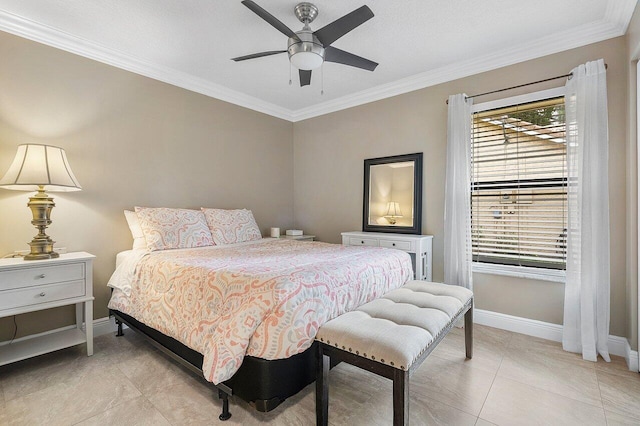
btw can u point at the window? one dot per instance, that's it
(519, 184)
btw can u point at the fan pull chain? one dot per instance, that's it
(289, 73)
(322, 80)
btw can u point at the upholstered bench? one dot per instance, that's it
(391, 337)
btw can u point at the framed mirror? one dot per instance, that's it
(393, 194)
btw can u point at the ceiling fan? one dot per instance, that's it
(309, 49)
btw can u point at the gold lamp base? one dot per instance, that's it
(41, 245)
(392, 220)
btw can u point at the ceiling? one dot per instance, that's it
(417, 43)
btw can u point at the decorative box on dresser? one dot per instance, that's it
(34, 285)
(419, 247)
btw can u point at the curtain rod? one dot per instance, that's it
(568, 76)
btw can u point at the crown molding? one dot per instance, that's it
(620, 12)
(617, 17)
(615, 24)
(53, 37)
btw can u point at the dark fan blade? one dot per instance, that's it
(257, 55)
(333, 31)
(331, 54)
(275, 23)
(305, 78)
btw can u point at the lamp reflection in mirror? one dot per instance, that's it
(393, 212)
(36, 168)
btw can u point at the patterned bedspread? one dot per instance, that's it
(266, 299)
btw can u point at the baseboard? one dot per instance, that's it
(617, 345)
(632, 358)
(103, 326)
(530, 327)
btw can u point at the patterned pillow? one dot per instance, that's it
(165, 228)
(231, 226)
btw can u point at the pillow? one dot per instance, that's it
(231, 226)
(136, 232)
(165, 228)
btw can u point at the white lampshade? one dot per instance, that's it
(393, 209)
(40, 165)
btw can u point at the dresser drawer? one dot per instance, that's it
(363, 242)
(400, 245)
(41, 294)
(27, 277)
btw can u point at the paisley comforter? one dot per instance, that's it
(265, 299)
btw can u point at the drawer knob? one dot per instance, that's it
(361, 242)
(42, 294)
(40, 276)
(394, 244)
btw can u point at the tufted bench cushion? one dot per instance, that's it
(392, 335)
(397, 328)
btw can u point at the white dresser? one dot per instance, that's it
(419, 247)
(34, 285)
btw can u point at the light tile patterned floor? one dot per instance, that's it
(512, 379)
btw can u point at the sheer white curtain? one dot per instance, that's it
(457, 199)
(586, 304)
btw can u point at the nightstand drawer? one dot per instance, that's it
(363, 242)
(400, 245)
(41, 294)
(27, 277)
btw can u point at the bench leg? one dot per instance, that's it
(322, 388)
(468, 332)
(400, 398)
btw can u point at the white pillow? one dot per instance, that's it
(136, 232)
(231, 226)
(166, 228)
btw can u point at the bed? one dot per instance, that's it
(246, 314)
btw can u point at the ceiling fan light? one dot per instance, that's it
(306, 60)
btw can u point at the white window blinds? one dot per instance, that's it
(519, 177)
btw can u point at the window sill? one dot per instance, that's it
(554, 275)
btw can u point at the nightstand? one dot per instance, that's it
(299, 237)
(34, 285)
(419, 247)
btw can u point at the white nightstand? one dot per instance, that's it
(419, 247)
(27, 286)
(299, 237)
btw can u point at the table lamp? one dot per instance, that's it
(36, 168)
(393, 212)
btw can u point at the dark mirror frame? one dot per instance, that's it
(416, 228)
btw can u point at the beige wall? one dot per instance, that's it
(131, 141)
(328, 170)
(136, 141)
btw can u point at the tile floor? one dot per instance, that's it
(513, 379)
